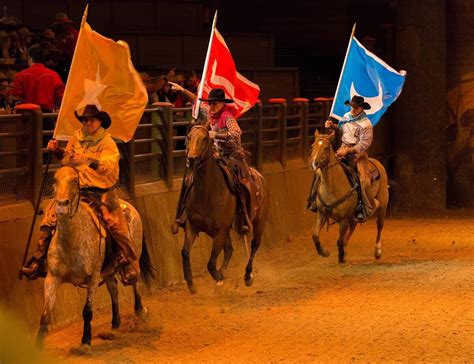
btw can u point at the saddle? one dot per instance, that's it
(242, 181)
(92, 206)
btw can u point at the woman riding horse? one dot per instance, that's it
(226, 133)
(95, 156)
(357, 137)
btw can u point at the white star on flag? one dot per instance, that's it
(92, 90)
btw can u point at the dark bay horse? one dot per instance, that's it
(337, 199)
(77, 252)
(211, 208)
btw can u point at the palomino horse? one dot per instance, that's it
(77, 252)
(337, 199)
(210, 207)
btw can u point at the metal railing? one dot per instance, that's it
(271, 133)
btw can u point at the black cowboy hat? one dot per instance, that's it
(217, 94)
(91, 111)
(357, 101)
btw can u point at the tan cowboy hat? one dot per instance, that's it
(91, 111)
(61, 18)
(48, 34)
(24, 32)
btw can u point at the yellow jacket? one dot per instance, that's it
(101, 168)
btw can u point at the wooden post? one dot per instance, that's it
(168, 111)
(304, 134)
(283, 146)
(259, 160)
(34, 118)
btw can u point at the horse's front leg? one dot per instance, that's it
(189, 237)
(341, 241)
(87, 313)
(51, 285)
(228, 250)
(320, 220)
(217, 246)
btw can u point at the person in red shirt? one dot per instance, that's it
(38, 84)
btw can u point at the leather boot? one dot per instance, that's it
(35, 267)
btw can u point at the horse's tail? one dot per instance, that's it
(148, 272)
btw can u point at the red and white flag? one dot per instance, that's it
(220, 72)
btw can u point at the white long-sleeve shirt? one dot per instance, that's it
(356, 132)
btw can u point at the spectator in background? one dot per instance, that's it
(191, 81)
(66, 38)
(38, 84)
(47, 41)
(6, 104)
(24, 42)
(5, 46)
(14, 49)
(151, 87)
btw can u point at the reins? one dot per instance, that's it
(325, 165)
(202, 160)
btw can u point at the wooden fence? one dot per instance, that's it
(274, 132)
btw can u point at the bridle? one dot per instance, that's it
(325, 162)
(200, 161)
(77, 196)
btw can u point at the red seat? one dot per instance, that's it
(321, 99)
(300, 99)
(277, 100)
(27, 107)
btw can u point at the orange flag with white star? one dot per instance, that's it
(102, 74)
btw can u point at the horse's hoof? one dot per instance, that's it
(322, 252)
(192, 289)
(106, 336)
(249, 282)
(84, 349)
(378, 254)
(222, 272)
(219, 283)
(142, 314)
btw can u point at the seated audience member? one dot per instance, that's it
(5, 46)
(24, 42)
(66, 38)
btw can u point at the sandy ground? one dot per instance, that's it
(415, 304)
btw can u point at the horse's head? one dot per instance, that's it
(198, 145)
(321, 150)
(66, 186)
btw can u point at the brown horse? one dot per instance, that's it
(77, 252)
(337, 199)
(211, 207)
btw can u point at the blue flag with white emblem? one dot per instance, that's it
(366, 75)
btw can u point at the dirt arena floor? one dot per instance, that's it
(415, 304)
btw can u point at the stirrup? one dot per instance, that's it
(32, 270)
(128, 275)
